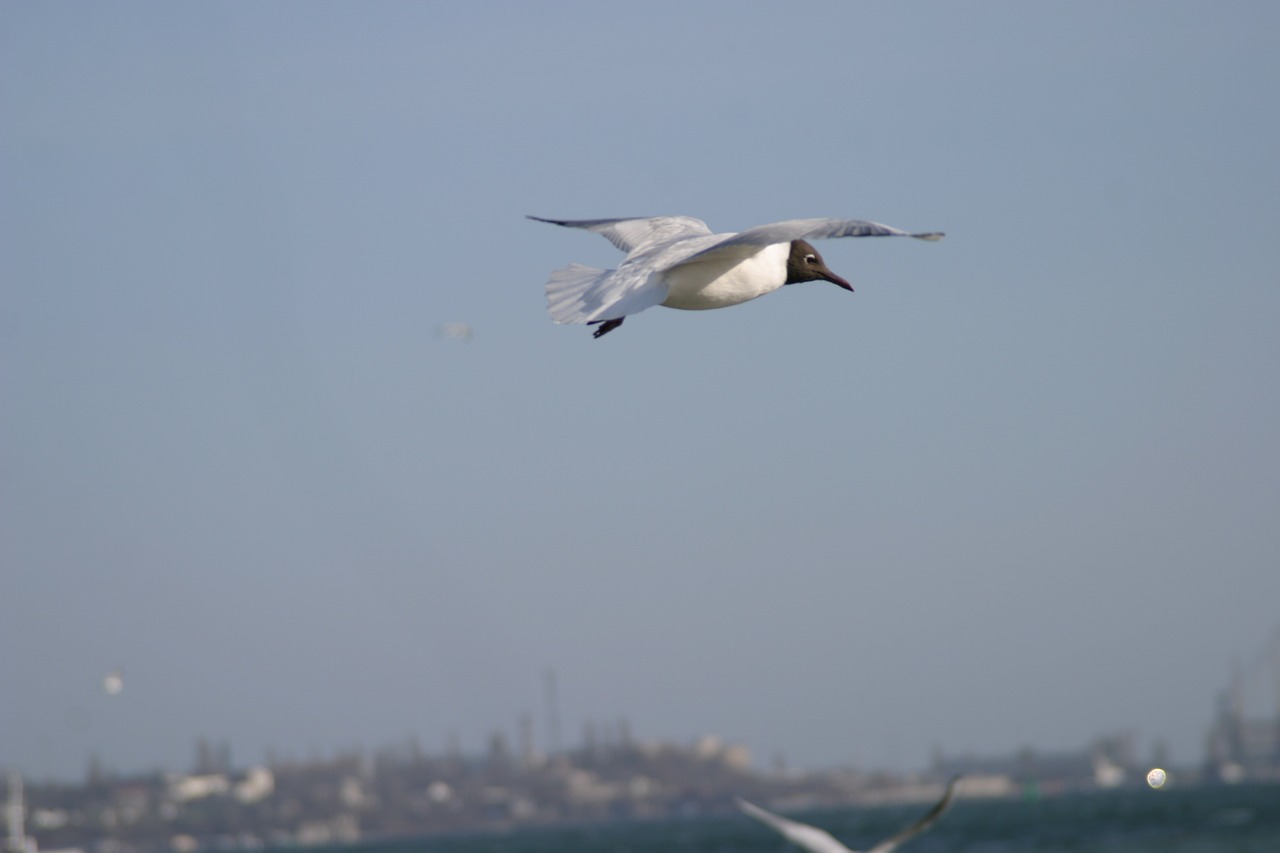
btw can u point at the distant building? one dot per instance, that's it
(16, 840)
(257, 785)
(183, 789)
(1108, 763)
(1240, 749)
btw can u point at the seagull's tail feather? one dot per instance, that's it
(569, 298)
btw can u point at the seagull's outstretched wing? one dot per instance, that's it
(891, 843)
(630, 234)
(800, 834)
(752, 240)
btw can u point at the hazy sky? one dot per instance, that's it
(1022, 487)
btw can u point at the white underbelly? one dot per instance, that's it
(715, 285)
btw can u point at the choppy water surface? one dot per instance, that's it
(1241, 819)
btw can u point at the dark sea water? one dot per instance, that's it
(1239, 819)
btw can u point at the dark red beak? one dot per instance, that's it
(828, 275)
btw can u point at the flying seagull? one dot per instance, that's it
(676, 261)
(820, 841)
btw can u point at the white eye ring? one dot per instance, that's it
(810, 259)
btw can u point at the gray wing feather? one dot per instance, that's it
(807, 229)
(891, 843)
(630, 234)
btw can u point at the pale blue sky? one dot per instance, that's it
(1022, 487)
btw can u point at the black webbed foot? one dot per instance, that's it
(606, 326)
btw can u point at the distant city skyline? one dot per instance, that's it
(1251, 689)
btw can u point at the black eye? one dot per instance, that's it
(810, 259)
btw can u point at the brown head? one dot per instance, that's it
(805, 264)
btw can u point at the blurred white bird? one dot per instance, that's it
(113, 682)
(676, 261)
(820, 841)
(455, 332)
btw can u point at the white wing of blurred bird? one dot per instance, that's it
(820, 841)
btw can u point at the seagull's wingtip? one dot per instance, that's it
(932, 236)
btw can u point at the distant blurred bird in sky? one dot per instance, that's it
(113, 682)
(455, 332)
